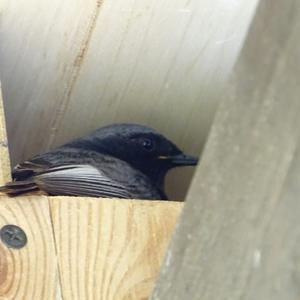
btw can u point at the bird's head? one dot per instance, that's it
(140, 146)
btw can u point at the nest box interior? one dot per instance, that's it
(68, 68)
(75, 67)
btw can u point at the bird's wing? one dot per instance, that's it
(68, 179)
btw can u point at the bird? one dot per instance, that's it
(116, 161)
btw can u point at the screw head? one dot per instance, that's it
(13, 236)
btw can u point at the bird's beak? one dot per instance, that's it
(181, 160)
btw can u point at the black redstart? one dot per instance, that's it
(121, 160)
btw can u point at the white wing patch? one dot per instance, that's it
(79, 180)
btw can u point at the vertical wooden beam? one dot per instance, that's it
(238, 237)
(276, 262)
(4, 154)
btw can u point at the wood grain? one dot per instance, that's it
(4, 153)
(159, 63)
(30, 272)
(238, 236)
(110, 249)
(277, 259)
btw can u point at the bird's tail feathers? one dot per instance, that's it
(18, 187)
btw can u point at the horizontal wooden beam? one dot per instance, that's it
(84, 248)
(110, 249)
(30, 272)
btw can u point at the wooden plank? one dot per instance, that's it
(238, 236)
(110, 249)
(276, 259)
(30, 272)
(43, 46)
(128, 60)
(4, 153)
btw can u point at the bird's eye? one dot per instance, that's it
(147, 144)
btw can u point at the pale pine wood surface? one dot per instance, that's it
(84, 248)
(30, 272)
(110, 249)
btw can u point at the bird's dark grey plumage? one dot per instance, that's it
(121, 160)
